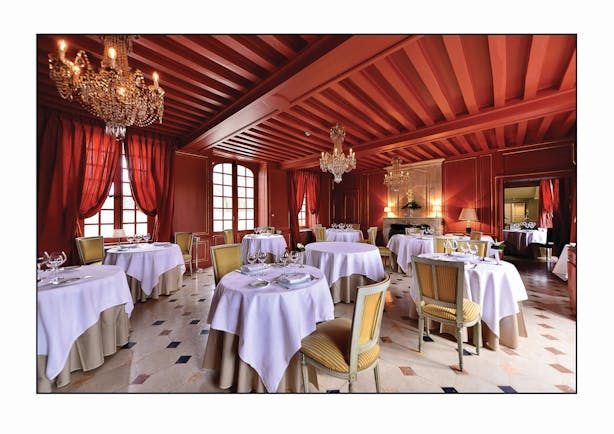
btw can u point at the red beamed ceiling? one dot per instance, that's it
(419, 97)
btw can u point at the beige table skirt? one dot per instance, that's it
(89, 350)
(510, 329)
(221, 354)
(168, 283)
(344, 289)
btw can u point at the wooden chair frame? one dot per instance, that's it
(80, 251)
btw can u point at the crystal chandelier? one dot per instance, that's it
(396, 178)
(337, 163)
(114, 94)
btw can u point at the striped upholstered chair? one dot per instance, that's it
(476, 235)
(225, 258)
(440, 298)
(439, 243)
(229, 236)
(184, 241)
(91, 250)
(343, 348)
(320, 233)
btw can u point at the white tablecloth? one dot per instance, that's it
(271, 321)
(269, 243)
(347, 235)
(66, 311)
(496, 288)
(490, 252)
(521, 239)
(560, 268)
(146, 263)
(342, 259)
(406, 246)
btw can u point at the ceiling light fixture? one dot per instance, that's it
(337, 163)
(397, 178)
(114, 94)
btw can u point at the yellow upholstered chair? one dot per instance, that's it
(184, 241)
(439, 243)
(416, 231)
(440, 298)
(225, 258)
(476, 235)
(320, 233)
(343, 348)
(318, 225)
(91, 250)
(355, 226)
(482, 247)
(229, 236)
(383, 251)
(270, 229)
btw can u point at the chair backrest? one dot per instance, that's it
(355, 226)
(91, 249)
(320, 234)
(318, 225)
(482, 246)
(439, 243)
(229, 236)
(225, 258)
(270, 229)
(476, 235)
(409, 231)
(372, 234)
(367, 319)
(184, 241)
(440, 282)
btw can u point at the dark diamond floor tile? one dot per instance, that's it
(172, 300)
(561, 368)
(204, 332)
(386, 339)
(183, 359)
(552, 338)
(140, 379)
(333, 391)
(165, 333)
(406, 370)
(508, 351)
(202, 299)
(507, 389)
(158, 322)
(184, 285)
(398, 296)
(426, 338)
(173, 344)
(195, 321)
(565, 388)
(449, 390)
(187, 314)
(129, 345)
(554, 350)
(546, 326)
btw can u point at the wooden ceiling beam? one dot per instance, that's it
(279, 45)
(569, 78)
(449, 147)
(303, 121)
(543, 128)
(330, 109)
(537, 55)
(454, 47)
(464, 143)
(498, 66)
(260, 142)
(521, 132)
(500, 137)
(281, 130)
(247, 149)
(293, 146)
(349, 111)
(547, 104)
(481, 139)
(435, 150)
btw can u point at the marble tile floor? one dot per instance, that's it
(168, 338)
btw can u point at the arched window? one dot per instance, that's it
(229, 201)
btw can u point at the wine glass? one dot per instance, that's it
(261, 256)
(294, 256)
(473, 249)
(284, 258)
(453, 245)
(40, 261)
(130, 239)
(55, 259)
(464, 247)
(146, 237)
(251, 258)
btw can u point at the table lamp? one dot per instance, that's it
(469, 215)
(119, 233)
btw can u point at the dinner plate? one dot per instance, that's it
(259, 283)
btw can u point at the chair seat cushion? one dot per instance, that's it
(95, 263)
(329, 346)
(187, 258)
(471, 311)
(384, 251)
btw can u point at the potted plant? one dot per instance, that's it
(411, 206)
(500, 247)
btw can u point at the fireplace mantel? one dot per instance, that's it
(434, 222)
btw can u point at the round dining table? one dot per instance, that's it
(81, 317)
(499, 290)
(404, 247)
(346, 265)
(152, 268)
(347, 235)
(521, 239)
(257, 323)
(272, 244)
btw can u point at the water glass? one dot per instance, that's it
(146, 237)
(251, 258)
(261, 256)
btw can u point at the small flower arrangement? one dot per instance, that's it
(498, 245)
(411, 205)
(300, 247)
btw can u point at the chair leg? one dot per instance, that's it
(191, 268)
(350, 386)
(428, 326)
(304, 370)
(479, 337)
(376, 373)
(420, 332)
(459, 340)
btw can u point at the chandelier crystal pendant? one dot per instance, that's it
(115, 94)
(337, 163)
(397, 178)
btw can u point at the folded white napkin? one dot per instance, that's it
(252, 267)
(165, 243)
(294, 278)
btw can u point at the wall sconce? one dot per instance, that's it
(388, 211)
(437, 210)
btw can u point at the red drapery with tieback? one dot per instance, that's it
(313, 192)
(546, 206)
(102, 159)
(150, 169)
(298, 187)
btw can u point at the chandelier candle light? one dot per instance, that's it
(397, 178)
(114, 94)
(337, 163)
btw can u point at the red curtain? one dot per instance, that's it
(298, 187)
(150, 169)
(546, 207)
(61, 158)
(313, 192)
(102, 158)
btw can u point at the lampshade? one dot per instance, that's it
(118, 233)
(468, 214)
